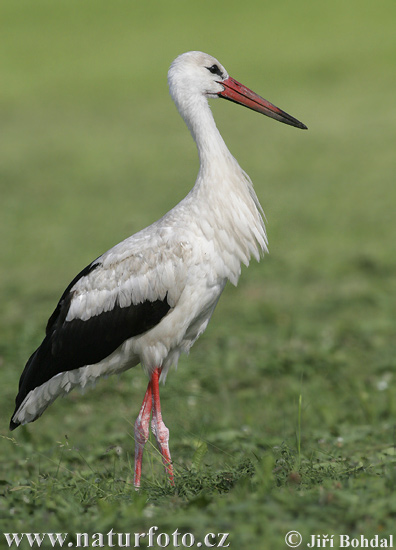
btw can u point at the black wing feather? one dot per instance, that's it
(69, 345)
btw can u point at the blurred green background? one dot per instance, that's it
(92, 149)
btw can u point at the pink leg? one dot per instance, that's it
(158, 427)
(142, 432)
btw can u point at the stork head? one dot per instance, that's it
(194, 75)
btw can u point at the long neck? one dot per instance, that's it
(225, 189)
(212, 149)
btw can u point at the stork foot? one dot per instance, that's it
(160, 431)
(151, 403)
(141, 433)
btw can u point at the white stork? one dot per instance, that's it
(149, 298)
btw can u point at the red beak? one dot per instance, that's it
(238, 93)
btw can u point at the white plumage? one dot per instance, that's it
(163, 282)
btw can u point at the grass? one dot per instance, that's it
(282, 418)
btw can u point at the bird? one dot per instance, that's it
(147, 300)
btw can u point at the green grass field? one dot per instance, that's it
(283, 417)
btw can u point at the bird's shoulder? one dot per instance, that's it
(150, 266)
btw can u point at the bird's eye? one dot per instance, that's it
(214, 69)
